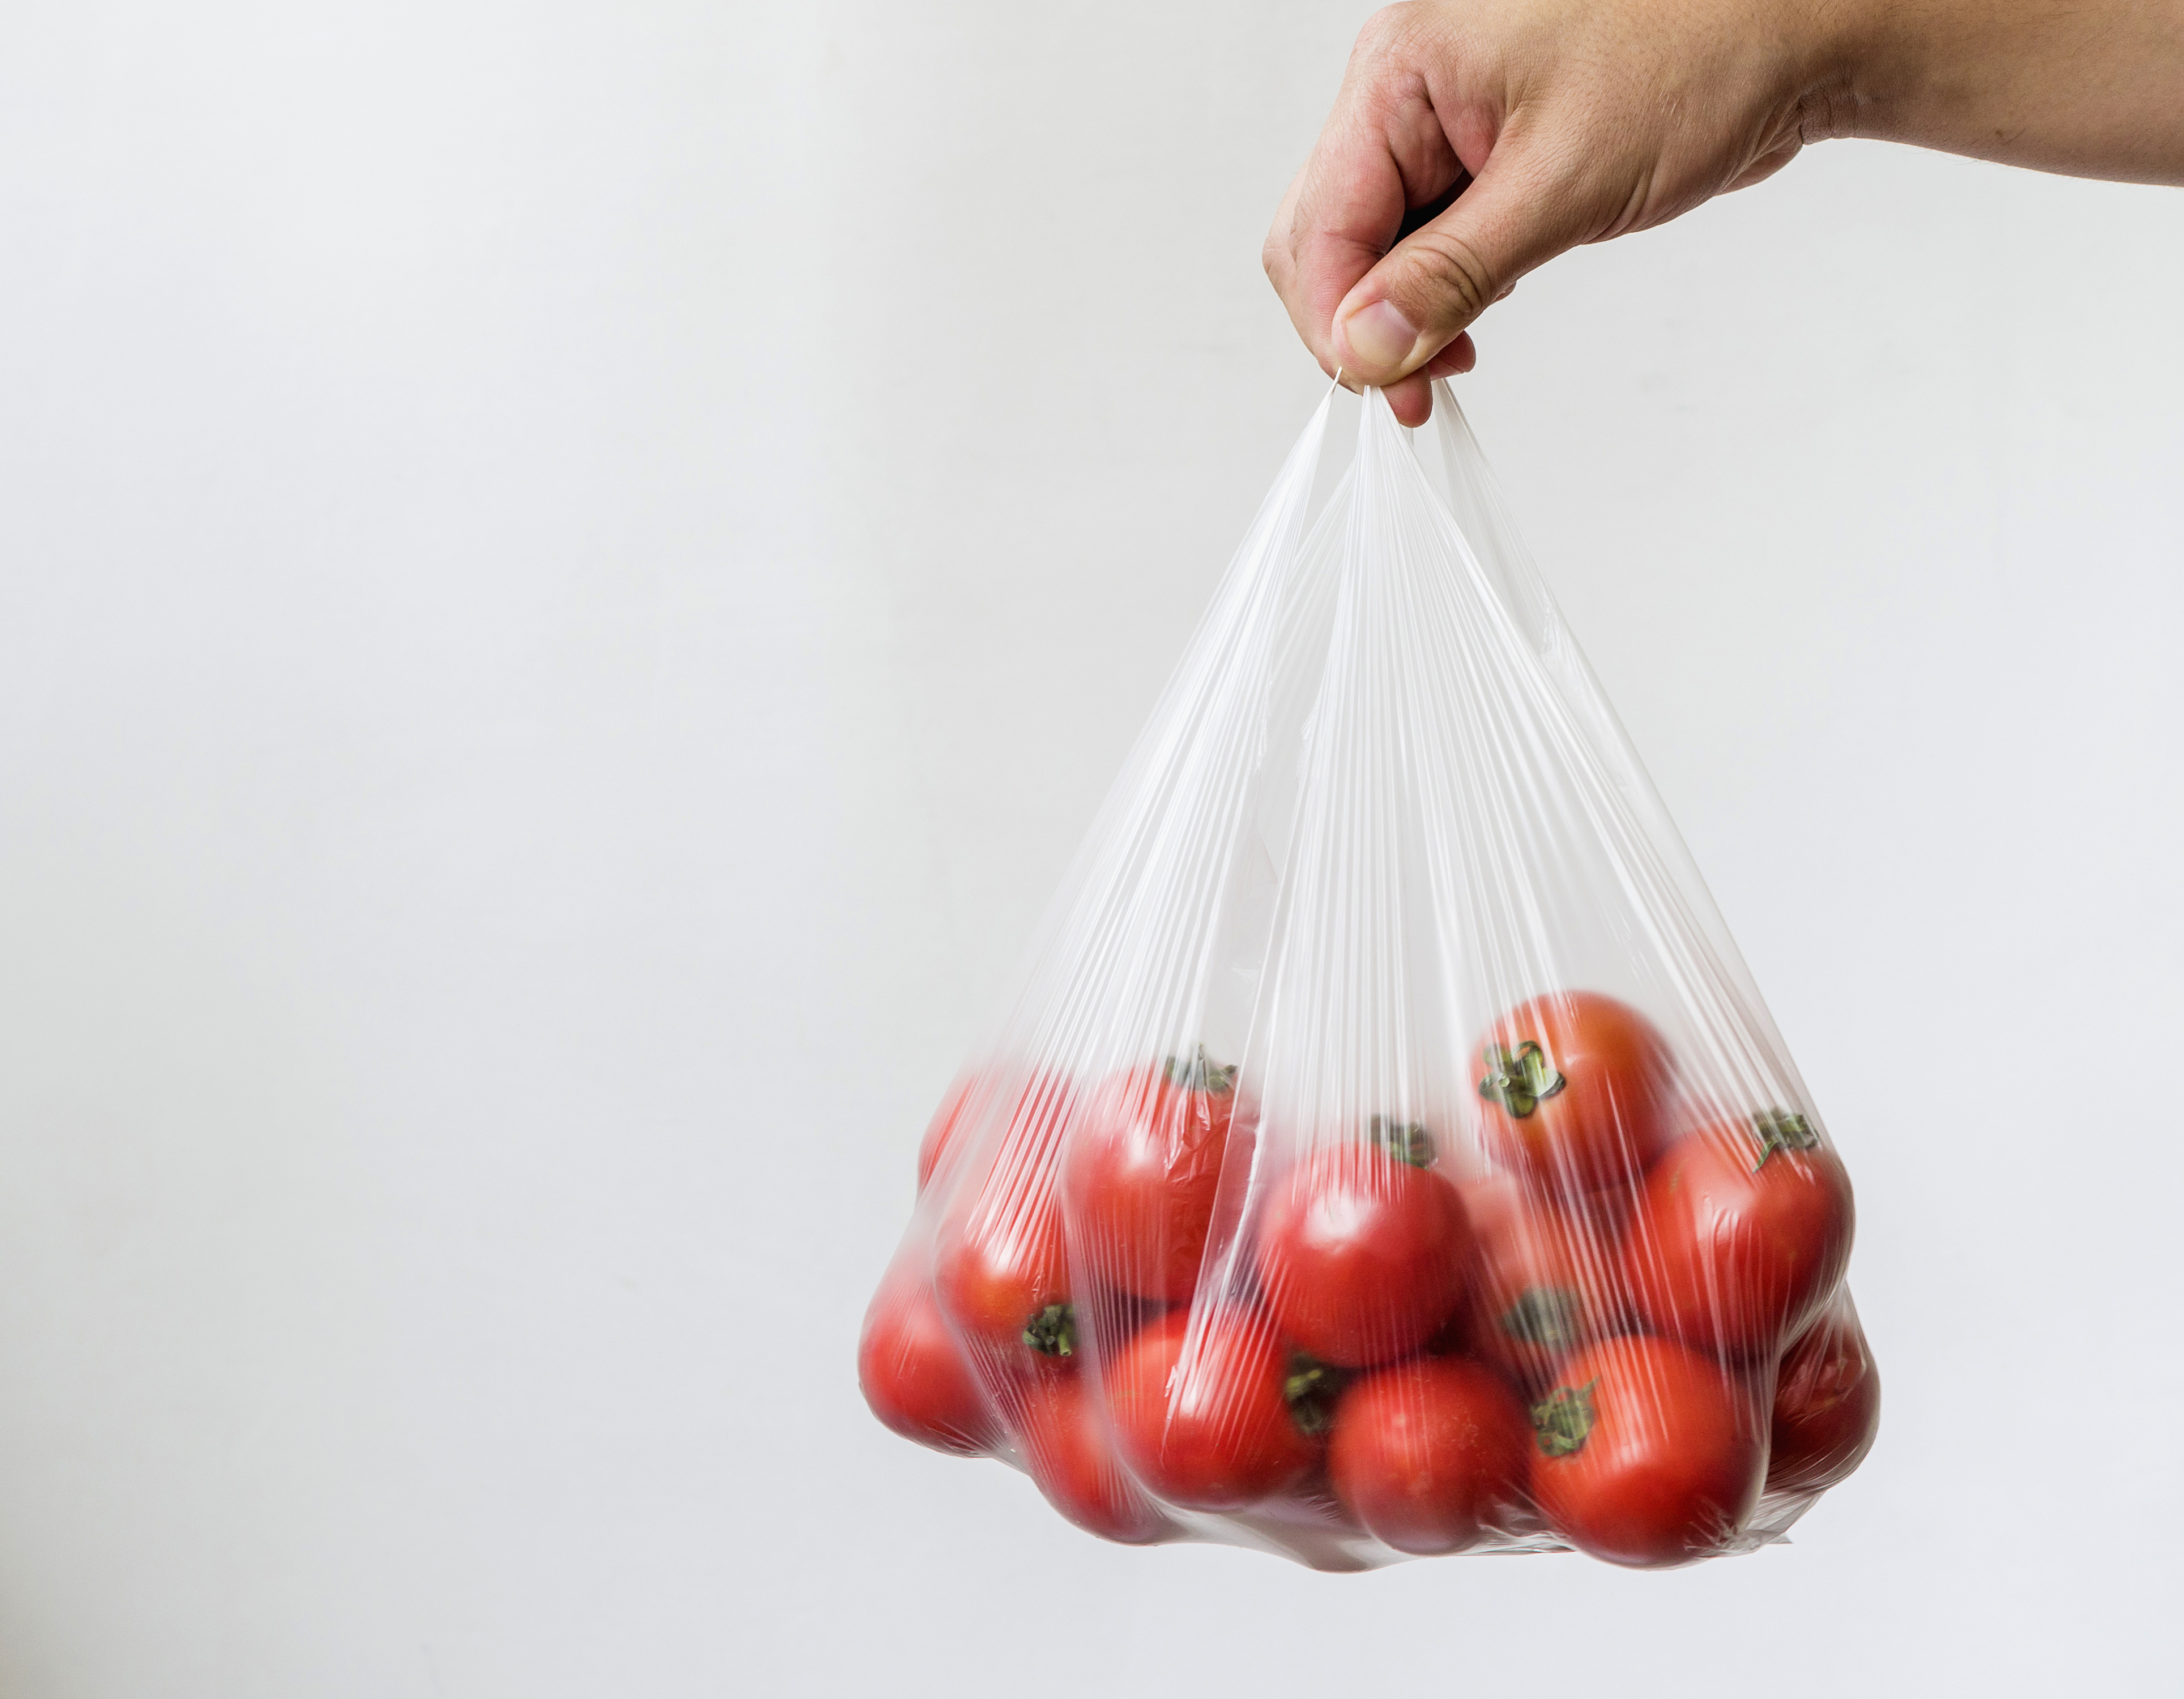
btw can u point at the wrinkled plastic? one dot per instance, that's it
(1387, 1151)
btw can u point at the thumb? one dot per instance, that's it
(1431, 285)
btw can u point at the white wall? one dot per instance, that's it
(569, 579)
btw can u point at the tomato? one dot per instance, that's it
(1646, 1453)
(1574, 1086)
(1827, 1404)
(1071, 1457)
(1043, 1095)
(1206, 1423)
(941, 1130)
(1549, 1281)
(1425, 1454)
(1143, 1166)
(914, 1374)
(1002, 1266)
(1363, 1252)
(1743, 1231)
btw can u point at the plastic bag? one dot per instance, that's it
(1387, 1151)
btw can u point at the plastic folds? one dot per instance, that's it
(1386, 1152)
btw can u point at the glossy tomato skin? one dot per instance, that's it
(1573, 1088)
(1428, 1455)
(1208, 1428)
(1071, 1457)
(1550, 1280)
(1827, 1405)
(1141, 1173)
(914, 1374)
(1363, 1257)
(1646, 1453)
(1002, 1262)
(1740, 1236)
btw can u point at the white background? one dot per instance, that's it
(569, 578)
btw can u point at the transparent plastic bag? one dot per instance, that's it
(1387, 1151)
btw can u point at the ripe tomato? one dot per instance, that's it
(1743, 1231)
(1827, 1404)
(1002, 1268)
(1072, 1458)
(1144, 1164)
(1363, 1252)
(913, 1373)
(1574, 1085)
(1042, 1095)
(1210, 1427)
(939, 1131)
(1646, 1453)
(1425, 1454)
(1549, 1280)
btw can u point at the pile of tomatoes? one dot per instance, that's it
(1622, 1331)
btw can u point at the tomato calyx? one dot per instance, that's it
(1310, 1389)
(1550, 1316)
(1563, 1419)
(1405, 1141)
(1199, 1072)
(1053, 1331)
(1518, 1079)
(1782, 1129)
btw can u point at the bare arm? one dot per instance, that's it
(1570, 122)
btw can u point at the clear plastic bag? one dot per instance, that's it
(1387, 1151)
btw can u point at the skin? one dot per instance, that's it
(1572, 121)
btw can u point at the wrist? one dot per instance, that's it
(1857, 61)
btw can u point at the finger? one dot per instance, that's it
(1459, 357)
(1411, 398)
(1381, 154)
(1519, 213)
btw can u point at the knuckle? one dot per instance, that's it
(1385, 30)
(1448, 269)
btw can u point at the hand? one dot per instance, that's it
(1562, 122)
(1569, 121)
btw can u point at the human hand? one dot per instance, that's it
(1562, 122)
(1569, 121)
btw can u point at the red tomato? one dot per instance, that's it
(1573, 1087)
(1744, 1230)
(1144, 1164)
(1002, 1268)
(1549, 1281)
(1827, 1405)
(914, 1374)
(1646, 1453)
(1072, 1458)
(1209, 1427)
(1043, 1096)
(942, 1128)
(1363, 1253)
(1425, 1454)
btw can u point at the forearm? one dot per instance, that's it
(2093, 88)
